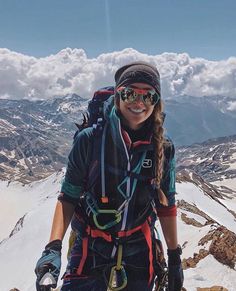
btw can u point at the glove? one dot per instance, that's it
(175, 270)
(50, 262)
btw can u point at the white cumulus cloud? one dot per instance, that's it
(71, 71)
(232, 106)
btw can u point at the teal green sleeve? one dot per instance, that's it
(168, 178)
(172, 176)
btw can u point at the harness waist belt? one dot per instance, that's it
(96, 233)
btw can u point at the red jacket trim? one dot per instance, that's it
(167, 211)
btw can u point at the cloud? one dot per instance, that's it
(71, 71)
(232, 106)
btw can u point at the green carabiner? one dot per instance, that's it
(118, 268)
(117, 219)
(112, 278)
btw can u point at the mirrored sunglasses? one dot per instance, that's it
(130, 95)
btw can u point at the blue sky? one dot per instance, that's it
(201, 28)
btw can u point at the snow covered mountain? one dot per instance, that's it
(214, 160)
(36, 136)
(190, 119)
(206, 218)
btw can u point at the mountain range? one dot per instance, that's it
(36, 136)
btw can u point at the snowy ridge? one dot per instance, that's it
(32, 206)
(214, 160)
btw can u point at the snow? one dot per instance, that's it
(195, 196)
(231, 204)
(6, 124)
(20, 253)
(16, 200)
(37, 200)
(200, 160)
(212, 148)
(189, 236)
(232, 165)
(197, 217)
(208, 271)
(22, 163)
(10, 154)
(230, 183)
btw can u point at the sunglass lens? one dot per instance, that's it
(129, 95)
(150, 98)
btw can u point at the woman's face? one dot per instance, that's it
(135, 113)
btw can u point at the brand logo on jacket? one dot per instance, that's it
(147, 163)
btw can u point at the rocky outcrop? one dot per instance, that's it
(191, 262)
(222, 248)
(18, 226)
(213, 288)
(193, 209)
(190, 221)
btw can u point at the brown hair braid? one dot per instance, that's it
(159, 141)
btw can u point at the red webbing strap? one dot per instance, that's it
(99, 233)
(147, 234)
(124, 233)
(94, 233)
(84, 255)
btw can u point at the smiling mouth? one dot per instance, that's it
(136, 111)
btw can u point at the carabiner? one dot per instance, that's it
(117, 219)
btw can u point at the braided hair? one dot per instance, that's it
(159, 143)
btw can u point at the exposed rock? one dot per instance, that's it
(190, 221)
(213, 288)
(223, 245)
(192, 262)
(193, 209)
(18, 226)
(222, 248)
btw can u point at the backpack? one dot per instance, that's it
(94, 114)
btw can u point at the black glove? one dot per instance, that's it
(50, 262)
(175, 270)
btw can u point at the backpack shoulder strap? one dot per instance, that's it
(96, 164)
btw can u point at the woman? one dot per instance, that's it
(118, 179)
